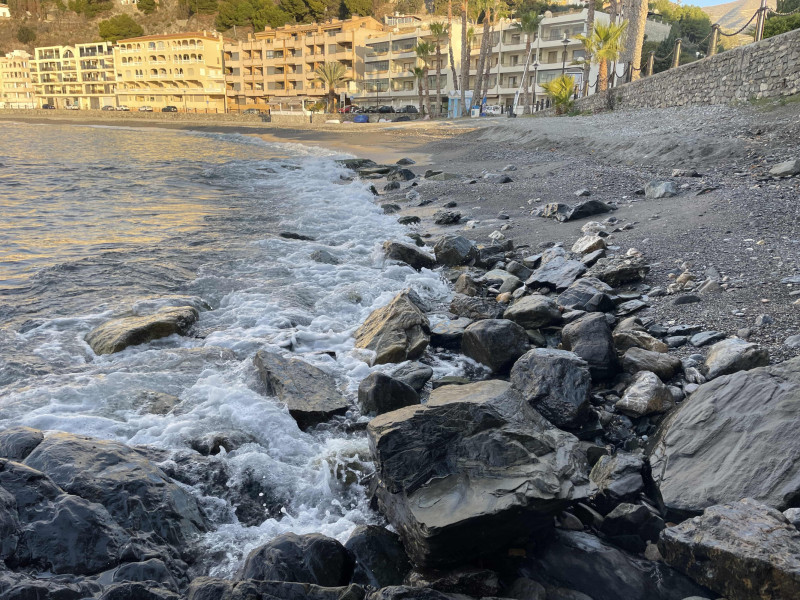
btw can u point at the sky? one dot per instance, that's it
(704, 2)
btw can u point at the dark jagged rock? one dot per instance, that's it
(356, 163)
(380, 559)
(645, 396)
(556, 383)
(323, 256)
(9, 525)
(411, 255)
(618, 271)
(454, 250)
(478, 583)
(732, 355)
(590, 338)
(16, 443)
(532, 312)
(722, 443)
(311, 395)
(379, 393)
(414, 374)
(147, 570)
(638, 359)
(631, 526)
(401, 175)
(448, 334)
(496, 343)
(588, 294)
(17, 586)
(558, 273)
(475, 308)
(118, 334)
(618, 477)
(488, 256)
(396, 332)
(409, 220)
(291, 235)
(446, 217)
(743, 550)
(588, 209)
(471, 470)
(137, 494)
(466, 284)
(404, 592)
(310, 558)
(137, 591)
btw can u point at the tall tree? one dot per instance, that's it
(528, 25)
(587, 65)
(438, 31)
(423, 51)
(486, 7)
(332, 75)
(604, 45)
(637, 17)
(464, 58)
(419, 74)
(450, 43)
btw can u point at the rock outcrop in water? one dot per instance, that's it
(118, 334)
(399, 331)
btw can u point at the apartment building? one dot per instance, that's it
(16, 89)
(276, 66)
(79, 76)
(184, 70)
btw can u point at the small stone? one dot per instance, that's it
(583, 192)
(660, 189)
(705, 338)
(786, 169)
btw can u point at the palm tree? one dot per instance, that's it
(587, 65)
(450, 43)
(333, 75)
(529, 25)
(560, 91)
(423, 51)
(486, 7)
(498, 11)
(638, 20)
(439, 30)
(464, 58)
(419, 73)
(604, 45)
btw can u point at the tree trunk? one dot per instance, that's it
(526, 96)
(421, 91)
(331, 99)
(464, 59)
(638, 22)
(450, 43)
(488, 68)
(476, 93)
(602, 76)
(438, 78)
(427, 92)
(589, 32)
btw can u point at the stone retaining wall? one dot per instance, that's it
(767, 69)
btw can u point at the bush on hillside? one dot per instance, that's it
(118, 28)
(25, 35)
(90, 8)
(148, 7)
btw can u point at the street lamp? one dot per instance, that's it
(566, 41)
(535, 78)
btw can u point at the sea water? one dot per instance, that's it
(101, 222)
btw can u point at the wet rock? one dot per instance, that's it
(405, 592)
(581, 561)
(523, 588)
(137, 494)
(618, 271)
(380, 559)
(786, 169)
(475, 308)
(705, 338)
(660, 189)
(446, 217)
(476, 582)
(618, 477)
(488, 256)
(638, 359)
(496, 343)
(291, 235)
(588, 243)
(378, 393)
(731, 355)
(399, 331)
(631, 526)
(411, 255)
(466, 285)
(16, 586)
(137, 591)
(555, 210)
(532, 312)
(401, 175)
(590, 338)
(558, 273)
(147, 570)
(556, 383)
(311, 395)
(720, 444)
(588, 209)
(646, 396)
(414, 374)
(310, 558)
(588, 294)
(743, 550)
(634, 338)
(448, 334)
(390, 209)
(451, 473)
(210, 588)
(16, 443)
(118, 334)
(409, 220)
(454, 250)
(391, 186)
(405, 161)
(9, 525)
(324, 257)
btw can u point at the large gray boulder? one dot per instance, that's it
(588, 294)
(472, 470)
(743, 550)
(454, 250)
(411, 255)
(532, 312)
(590, 338)
(475, 308)
(380, 559)
(118, 334)
(786, 169)
(311, 395)
(211, 588)
(617, 271)
(379, 393)
(735, 437)
(137, 494)
(496, 343)
(556, 383)
(645, 396)
(583, 562)
(396, 332)
(17, 442)
(734, 354)
(558, 273)
(638, 359)
(660, 189)
(618, 476)
(310, 558)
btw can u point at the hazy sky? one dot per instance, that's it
(705, 2)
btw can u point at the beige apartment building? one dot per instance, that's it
(16, 89)
(184, 70)
(276, 66)
(80, 76)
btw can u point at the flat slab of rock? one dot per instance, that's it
(743, 550)
(618, 271)
(558, 273)
(660, 189)
(311, 395)
(638, 359)
(588, 294)
(115, 336)
(735, 437)
(397, 332)
(534, 311)
(786, 169)
(466, 473)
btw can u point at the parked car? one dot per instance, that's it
(145, 109)
(350, 108)
(72, 107)
(386, 109)
(123, 108)
(371, 109)
(108, 107)
(409, 109)
(251, 111)
(170, 109)
(48, 106)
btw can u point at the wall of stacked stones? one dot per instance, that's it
(767, 69)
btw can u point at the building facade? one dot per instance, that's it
(80, 76)
(276, 66)
(184, 70)
(16, 88)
